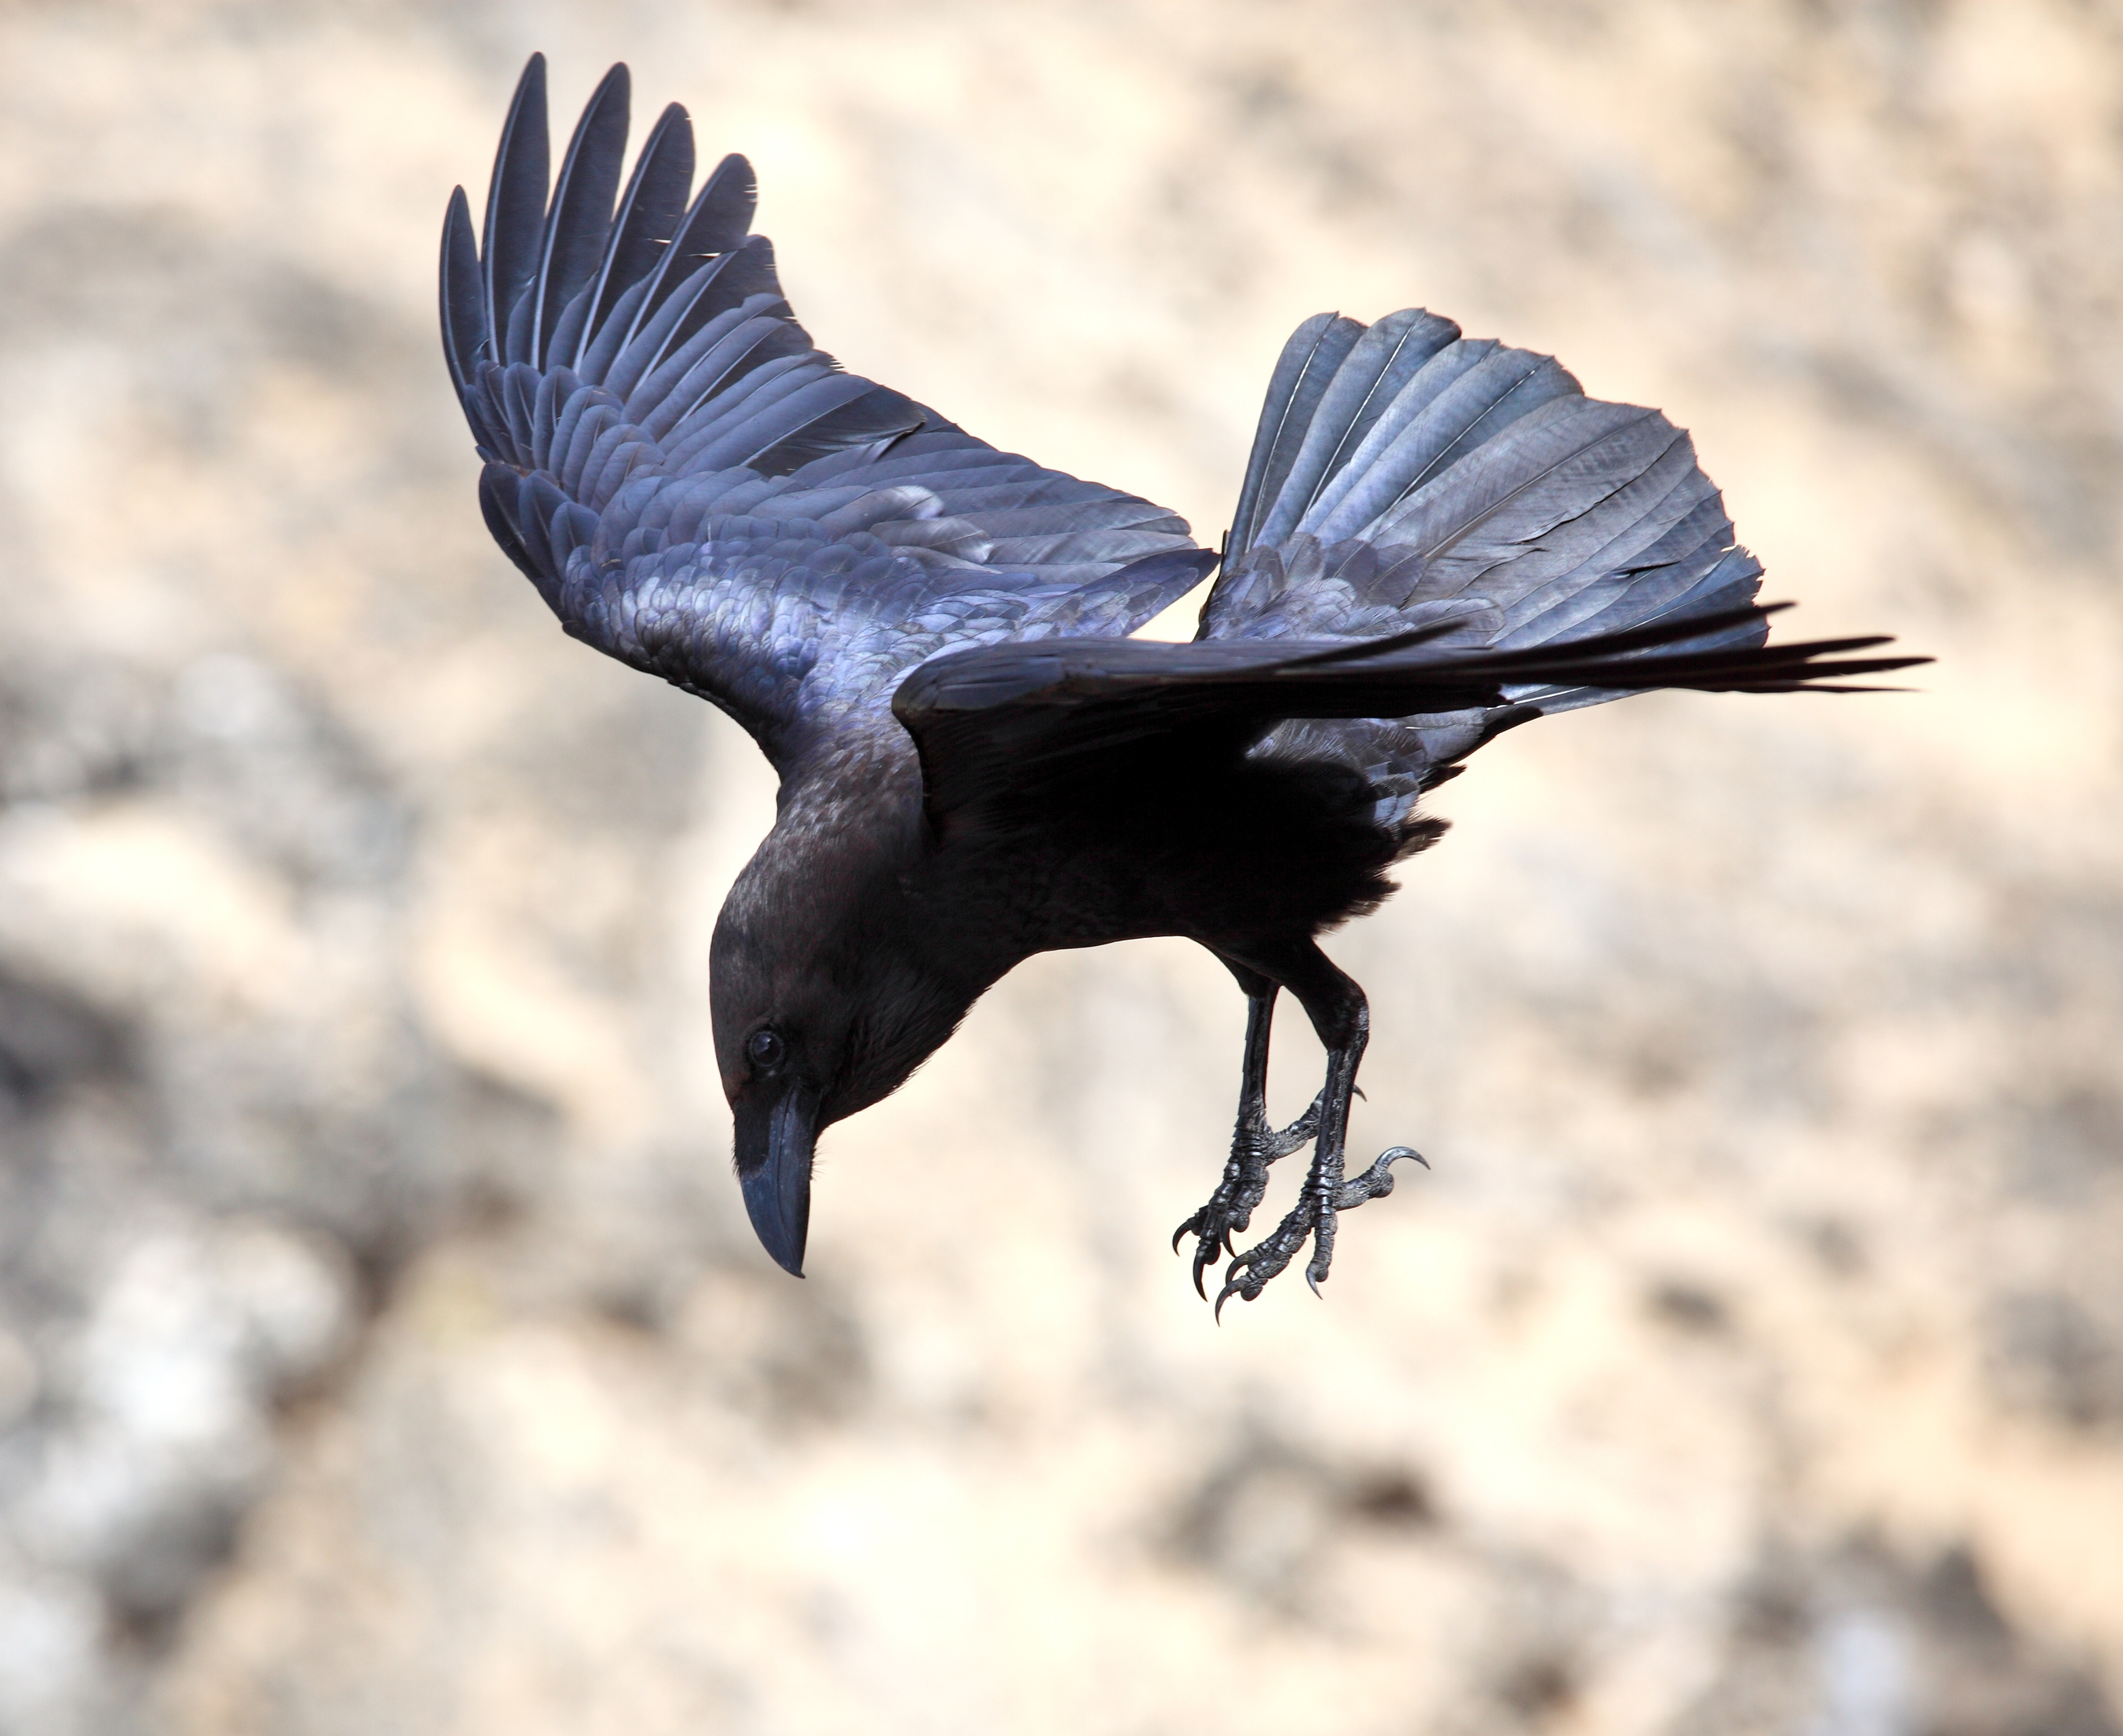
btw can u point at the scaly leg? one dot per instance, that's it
(1254, 1144)
(1342, 1016)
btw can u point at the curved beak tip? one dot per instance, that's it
(782, 1223)
(774, 1153)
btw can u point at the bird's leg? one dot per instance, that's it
(1342, 1016)
(1254, 1144)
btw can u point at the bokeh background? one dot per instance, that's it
(384, 1347)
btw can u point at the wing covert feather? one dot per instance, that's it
(1012, 729)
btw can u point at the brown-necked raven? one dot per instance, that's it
(1438, 538)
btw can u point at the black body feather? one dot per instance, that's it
(1436, 538)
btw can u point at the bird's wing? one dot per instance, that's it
(696, 489)
(1011, 731)
(1401, 467)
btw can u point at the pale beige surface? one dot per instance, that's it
(384, 1347)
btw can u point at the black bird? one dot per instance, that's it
(1437, 538)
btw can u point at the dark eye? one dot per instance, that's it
(765, 1049)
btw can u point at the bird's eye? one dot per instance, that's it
(765, 1049)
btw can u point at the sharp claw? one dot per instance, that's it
(1239, 1288)
(1217, 1225)
(1377, 1181)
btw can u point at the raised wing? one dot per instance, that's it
(698, 491)
(1008, 733)
(1401, 467)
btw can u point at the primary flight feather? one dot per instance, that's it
(1436, 538)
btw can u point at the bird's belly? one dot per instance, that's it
(1271, 849)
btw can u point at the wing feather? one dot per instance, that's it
(1003, 729)
(647, 217)
(462, 293)
(516, 204)
(579, 220)
(716, 224)
(716, 291)
(694, 487)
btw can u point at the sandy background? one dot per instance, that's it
(384, 1347)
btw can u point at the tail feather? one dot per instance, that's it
(1379, 467)
(1471, 470)
(1381, 363)
(1308, 363)
(1406, 477)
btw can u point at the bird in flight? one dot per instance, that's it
(1436, 538)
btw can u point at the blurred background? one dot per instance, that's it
(383, 1346)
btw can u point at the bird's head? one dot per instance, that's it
(826, 993)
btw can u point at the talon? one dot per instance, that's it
(1218, 1225)
(1377, 1181)
(1255, 1146)
(1241, 1287)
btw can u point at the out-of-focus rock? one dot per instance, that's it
(381, 1345)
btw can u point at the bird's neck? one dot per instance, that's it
(850, 846)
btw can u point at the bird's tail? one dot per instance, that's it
(1402, 469)
(1404, 476)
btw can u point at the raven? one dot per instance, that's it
(1437, 538)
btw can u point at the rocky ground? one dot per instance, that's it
(382, 1344)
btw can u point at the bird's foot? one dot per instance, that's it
(1326, 1195)
(1254, 1145)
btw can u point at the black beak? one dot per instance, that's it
(775, 1139)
